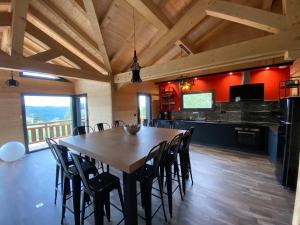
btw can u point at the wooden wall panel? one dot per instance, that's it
(125, 100)
(99, 100)
(11, 125)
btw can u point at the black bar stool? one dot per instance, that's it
(99, 188)
(145, 122)
(100, 126)
(146, 175)
(50, 143)
(80, 130)
(169, 160)
(118, 123)
(184, 156)
(70, 173)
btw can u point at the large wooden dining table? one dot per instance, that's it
(124, 152)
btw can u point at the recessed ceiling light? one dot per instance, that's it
(282, 67)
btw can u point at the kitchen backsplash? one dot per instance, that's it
(262, 111)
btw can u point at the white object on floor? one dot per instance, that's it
(12, 151)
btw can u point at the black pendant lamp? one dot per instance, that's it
(135, 67)
(12, 82)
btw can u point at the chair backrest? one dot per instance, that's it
(79, 169)
(82, 130)
(186, 139)
(50, 143)
(118, 123)
(153, 123)
(62, 155)
(154, 155)
(145, 122)
(100, 126)
(192, 130)
(173, 148)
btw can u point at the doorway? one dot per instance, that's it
(144, 108)
(52, 116)
(45, 116)
(80, 109)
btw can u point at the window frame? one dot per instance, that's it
(198, 92)
(61, 79)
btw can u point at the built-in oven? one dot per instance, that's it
(250, 137)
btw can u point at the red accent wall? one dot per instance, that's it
(271, 79)
(220, 84)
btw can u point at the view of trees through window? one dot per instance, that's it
(198, 100)
(41, 109)
(142, 104)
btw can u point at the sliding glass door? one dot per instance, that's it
(46, 116)
(80, 110)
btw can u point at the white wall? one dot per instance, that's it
(99, 100)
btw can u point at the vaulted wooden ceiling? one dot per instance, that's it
(93, 38)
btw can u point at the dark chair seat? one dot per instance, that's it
(103, 181)
(86, 166)
(145, 172)
(145, 177)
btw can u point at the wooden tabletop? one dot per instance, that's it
(119, 149)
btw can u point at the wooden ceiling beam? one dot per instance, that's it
(188, 21)
(93, 18)
(46, 56)
(5, 19)
(268, 47)
(267, 4)
(19, 11)
(291, 9)
(73, 27)
(20, 63)
(43, 23)
(249, 16)
(6, 41)
(35, 32)
(154, 15)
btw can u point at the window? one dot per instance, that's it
(39, 75)
(201, 100)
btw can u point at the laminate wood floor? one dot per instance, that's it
(230, 188)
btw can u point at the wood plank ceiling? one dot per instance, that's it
(97, 36)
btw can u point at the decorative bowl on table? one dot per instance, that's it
(132, 129)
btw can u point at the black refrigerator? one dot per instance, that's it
(288, 147)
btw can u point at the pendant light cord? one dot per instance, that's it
(133, 29)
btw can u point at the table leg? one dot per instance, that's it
(76, 199)
(130, 200)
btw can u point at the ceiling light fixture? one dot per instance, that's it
(12, 82)
(135, 67)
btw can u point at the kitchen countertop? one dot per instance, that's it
(259, 123)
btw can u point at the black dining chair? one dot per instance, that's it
(118, 123)
(69, 173)
(101, 126)
(153, 123)
(50, 143)
(184, 156)
(170, 160)
(145, 122)
(80, 130)
(146, 176)
(98, 188)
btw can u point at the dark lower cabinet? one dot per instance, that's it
(242, 137)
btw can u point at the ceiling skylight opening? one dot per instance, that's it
(39, 75)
